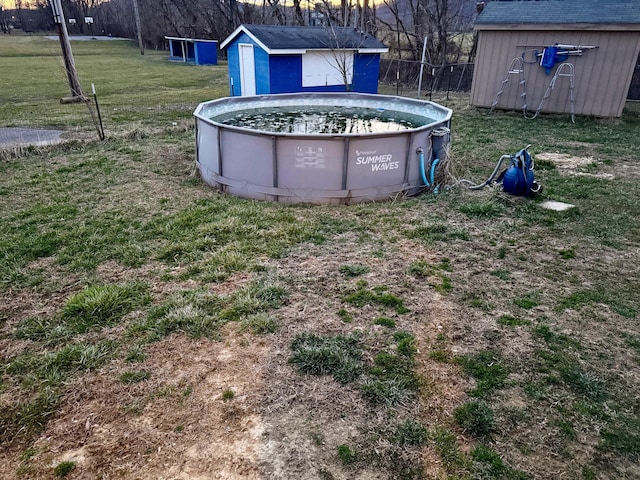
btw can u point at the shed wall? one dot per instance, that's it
(206, 53)
(601, 80)
(286, 73)
(261, 66)
(366, 70)
(261, 63)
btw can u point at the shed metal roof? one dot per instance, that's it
(279, 39)
(612, 12)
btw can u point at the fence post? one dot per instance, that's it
(424, 51)
(449, 81)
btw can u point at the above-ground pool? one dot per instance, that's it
(318, 147)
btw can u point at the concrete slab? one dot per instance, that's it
(22, 137)
(556, 206)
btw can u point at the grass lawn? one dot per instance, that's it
(151, 327)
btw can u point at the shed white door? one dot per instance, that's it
(247, 70)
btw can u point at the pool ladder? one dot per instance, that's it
(516, 68)
(563, 70)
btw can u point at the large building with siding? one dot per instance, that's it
(266, 59)
(522, 30)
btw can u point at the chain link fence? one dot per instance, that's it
(411, 75)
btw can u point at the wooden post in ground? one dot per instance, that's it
(70, 66)
(136, 13)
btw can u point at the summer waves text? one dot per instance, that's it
(377, 162)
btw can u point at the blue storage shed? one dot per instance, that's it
(193, 50)
(266, 59)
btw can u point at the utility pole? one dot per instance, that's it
(74, 83)
(136, 13)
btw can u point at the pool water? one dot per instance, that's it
(322, 120)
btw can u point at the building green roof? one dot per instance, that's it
(620, 12)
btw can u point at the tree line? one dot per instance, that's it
(401, 24)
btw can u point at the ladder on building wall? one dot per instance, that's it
(563, 70)
(516, 68)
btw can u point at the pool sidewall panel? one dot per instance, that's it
(247, 160)
(314, 164)
(208, 155)
(376, 161)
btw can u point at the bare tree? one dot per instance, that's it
(4, 21)
(341, 58)
(404, 37)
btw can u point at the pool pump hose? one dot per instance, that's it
(432, 170)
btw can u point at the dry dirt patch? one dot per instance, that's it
(570, 165)
(175, 425)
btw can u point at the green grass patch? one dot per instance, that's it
(475, 417)
(486, 209)
(364, 296)
(199, 313)
(528, 301)
(488, 464)
(555, 341)
(355, 270)
(487, 368)
(410, 432)
(217, 237)
(385, 322)
(440, 351)
(346, 454)
(39, 375)
(53, 367)
(103, 305)
(438, 232)
(510, 321)
(21, 422)
(453, 459)
(623, 437)
(345, 315)
(575, 301)
(262, 323)
(501, 274)
(393, 379)
(422, 269)
(63, 469)
(567, 254)
(339, 356)
(135, 376)
(135, 354)
(91, 309)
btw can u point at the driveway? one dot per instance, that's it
(22, 137)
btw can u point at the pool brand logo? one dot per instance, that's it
(378, 163)
(310, 157)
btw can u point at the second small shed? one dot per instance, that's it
(513, 36)
(266, 59)
(193, 50)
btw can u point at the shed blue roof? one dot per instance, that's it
(622, 12)
(274, 38)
